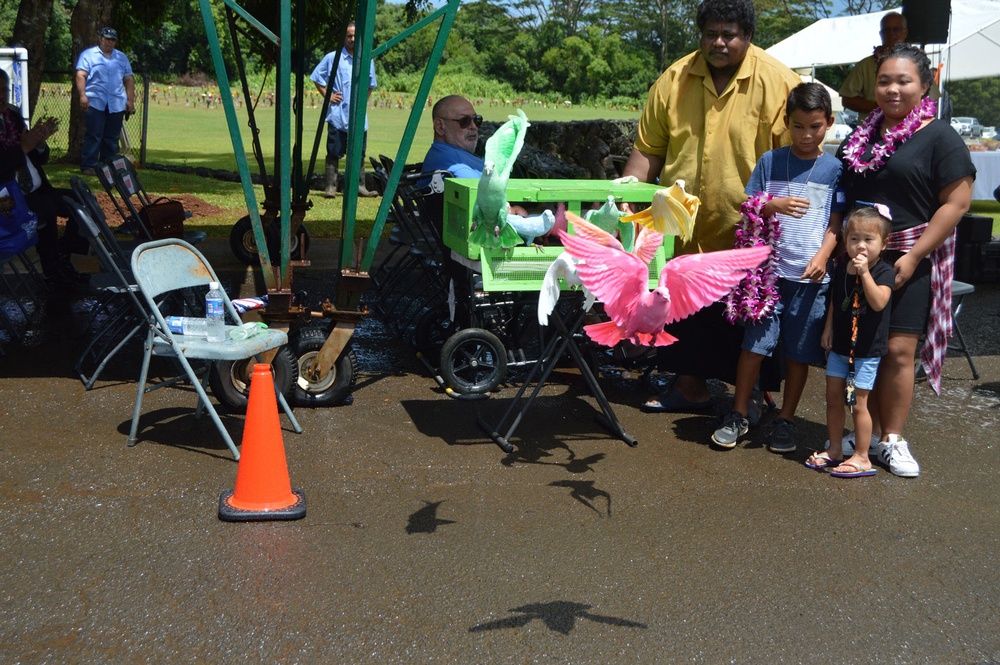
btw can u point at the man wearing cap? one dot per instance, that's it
(107, 93)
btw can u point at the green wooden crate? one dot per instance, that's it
(460, 196)
(523, 268)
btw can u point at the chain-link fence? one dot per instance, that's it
(54, 100)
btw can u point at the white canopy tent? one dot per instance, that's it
(973, 50)
(834, 95)
(830, 41)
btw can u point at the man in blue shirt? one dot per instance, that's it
(107, 94)
(338, 117)
(456, 132)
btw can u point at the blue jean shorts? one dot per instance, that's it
(865, 369)
(797, 323)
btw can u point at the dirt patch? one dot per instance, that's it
(196, 206)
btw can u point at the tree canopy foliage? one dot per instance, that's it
(576, 50)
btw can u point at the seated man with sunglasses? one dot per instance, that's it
(456, 132)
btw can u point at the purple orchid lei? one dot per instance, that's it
(925, 110)
(755, 296)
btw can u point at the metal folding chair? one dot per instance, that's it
(118, 315)
(165, 266)
(22, 289)
(130, 216)
(957, 342)
(120, 180)
(86, 198)
(958, 292)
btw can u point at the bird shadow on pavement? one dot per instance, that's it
(553, 422)
(559, 616)
(425, 520)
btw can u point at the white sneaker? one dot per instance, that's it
(895, 454)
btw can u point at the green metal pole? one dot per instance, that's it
(448, 17)
(360, 79)
(234, 134)
(284, 143)
(301, 184)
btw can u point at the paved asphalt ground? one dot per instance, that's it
(424, 543)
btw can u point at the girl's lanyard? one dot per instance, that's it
(849, 397)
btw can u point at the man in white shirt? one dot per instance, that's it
(338, 117)
(106, 87)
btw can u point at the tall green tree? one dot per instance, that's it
(979, 98)
(664, 28)
(570, 16)
(777, 19)
(30, 26)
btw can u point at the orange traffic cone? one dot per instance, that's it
(263, 491)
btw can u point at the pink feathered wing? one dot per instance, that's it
(619, 280)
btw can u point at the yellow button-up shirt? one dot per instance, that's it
(713, 141)
(861, 83)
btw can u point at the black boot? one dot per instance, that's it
(331, 179)
(362, 189)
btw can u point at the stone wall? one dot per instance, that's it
(581, 149)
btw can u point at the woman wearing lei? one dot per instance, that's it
(920, 168)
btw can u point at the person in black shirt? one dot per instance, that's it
(919, 167)
(857, 336)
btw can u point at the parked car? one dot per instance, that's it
(967, 126)
(844, 123)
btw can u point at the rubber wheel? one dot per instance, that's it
(242, 242)
(228, 378)
(433, 329)
(473, 361)
(244, 245)
(297, 243)
(332, 389)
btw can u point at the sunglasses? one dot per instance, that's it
(467, 120)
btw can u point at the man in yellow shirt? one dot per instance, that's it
(858, 91)
(707, 121)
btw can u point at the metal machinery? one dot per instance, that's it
(287, 186)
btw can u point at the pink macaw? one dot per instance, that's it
(620, 280)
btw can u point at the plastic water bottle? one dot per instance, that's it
(215, 313)
(188, 325)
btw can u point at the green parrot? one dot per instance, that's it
(490, 228)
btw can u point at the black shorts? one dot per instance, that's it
(336, 143)
(911, 303)
(709, 346)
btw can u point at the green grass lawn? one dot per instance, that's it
(988, 209)
(187, 135)
(195, 136)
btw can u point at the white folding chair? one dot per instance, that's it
(163, 266)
